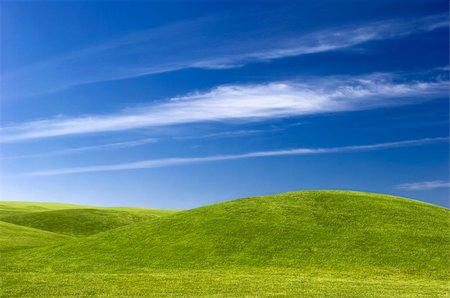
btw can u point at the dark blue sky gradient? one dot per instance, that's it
(65, 60)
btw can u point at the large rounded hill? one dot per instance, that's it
(307, 230)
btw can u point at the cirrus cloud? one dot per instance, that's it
(175, 161)
(249, 102)
(424, 185)
(139, 53)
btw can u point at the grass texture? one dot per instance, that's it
(308, 243)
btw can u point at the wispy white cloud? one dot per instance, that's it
(158, 50)
(166, 162)
(348, 36)
(247, 103)
(109, 146)
(425, 185)
(235, 133)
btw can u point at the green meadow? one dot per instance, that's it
(297, 244)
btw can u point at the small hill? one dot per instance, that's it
(14, 237)
(69, 220)
(310, 231)
(16, 207)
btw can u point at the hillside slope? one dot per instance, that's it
(14, 237)
(309, 230)
(17, 207)
(82, 221)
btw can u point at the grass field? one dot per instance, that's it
(310, 243)
(81, 221)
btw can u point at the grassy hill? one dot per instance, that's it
(15, 207)
(81, 222)
(313, 243)
(14, 237)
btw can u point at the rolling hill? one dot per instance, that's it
(14, 237)
(314, 243)
(81, 221)
(17, 207)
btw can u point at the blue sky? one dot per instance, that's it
(178, 104)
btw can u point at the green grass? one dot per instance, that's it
(311, 243)
(216, 283)
(82, 222)
(14, 207)
(14, 237)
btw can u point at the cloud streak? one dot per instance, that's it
(424, 185)
(110, 146)
(158, 50)
(229, 103)
(166, 162)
